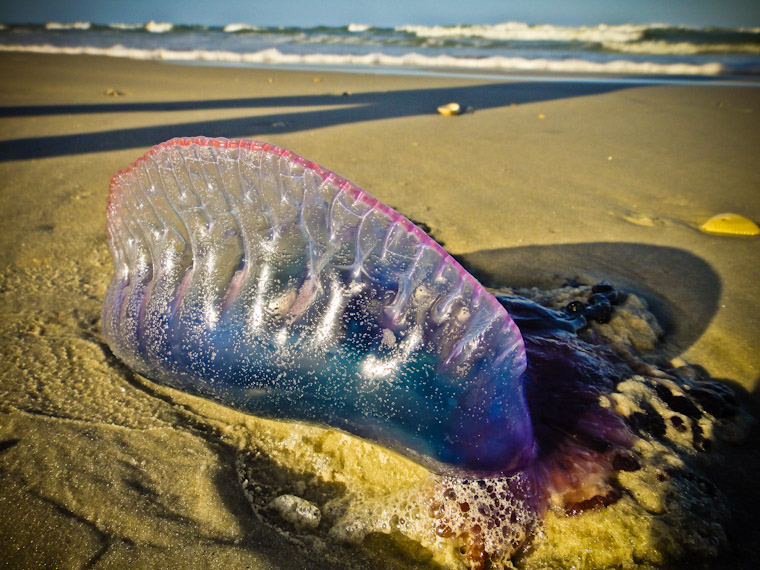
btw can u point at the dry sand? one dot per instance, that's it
(541, 183)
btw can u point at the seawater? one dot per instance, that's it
(514, 46)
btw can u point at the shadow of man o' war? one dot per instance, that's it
(247, 275)
(664, 276)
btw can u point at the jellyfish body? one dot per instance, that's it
(250, 276)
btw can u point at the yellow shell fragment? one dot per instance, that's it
(450, 109)
(729, 224)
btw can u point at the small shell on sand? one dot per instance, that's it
(297, 511)
(729, 224)
(450, 109)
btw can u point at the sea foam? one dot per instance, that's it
(274, 56)
(68, 26)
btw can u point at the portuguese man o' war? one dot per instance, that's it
(250, 276)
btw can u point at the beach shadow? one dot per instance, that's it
(330, 110)
(681, 289)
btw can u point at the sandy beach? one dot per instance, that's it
(539, 183)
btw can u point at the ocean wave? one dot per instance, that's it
(516, 39)
(68, 26)
(519, 31)
(657, 38)
(660, 47)
(358, 28)
(232, 28)
(274, 56)
(159, 27)
(118, 26)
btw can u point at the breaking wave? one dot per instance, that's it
(642, 49)
(274, 56)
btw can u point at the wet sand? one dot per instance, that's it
(541, 183)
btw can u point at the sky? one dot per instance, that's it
(725, 13)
